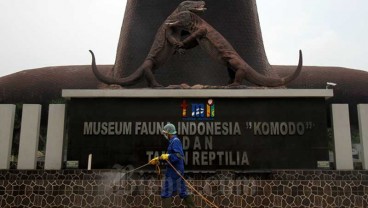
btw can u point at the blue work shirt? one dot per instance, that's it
(175, 149)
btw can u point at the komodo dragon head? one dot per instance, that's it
(183, 20)
(192, 6)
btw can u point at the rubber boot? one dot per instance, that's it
(188, 201)
(166, 202)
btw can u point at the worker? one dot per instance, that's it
(173, 182)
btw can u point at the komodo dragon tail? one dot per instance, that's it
(130, 80)
(261, 80)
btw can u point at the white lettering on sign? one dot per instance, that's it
(107, 128)
(209, 128)
(224, 158)
(155, 128)
(279, 128)
(149, 128)
(202, 153)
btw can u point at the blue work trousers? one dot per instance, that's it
(174, 184)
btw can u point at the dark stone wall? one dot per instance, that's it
(237, 20)
(80, 188)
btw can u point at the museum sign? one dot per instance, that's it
(216, 133)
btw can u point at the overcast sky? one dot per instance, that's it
(41, 33)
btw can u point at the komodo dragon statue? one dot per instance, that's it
(165, 44)
(211, 41)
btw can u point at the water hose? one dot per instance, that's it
(158, 170)
(192, 188)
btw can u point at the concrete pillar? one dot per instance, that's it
(7, 114)
(342, 137)
(55, 137)
(29, 136)
(363, 129)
